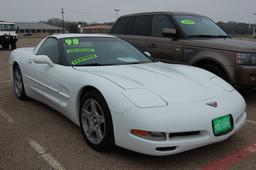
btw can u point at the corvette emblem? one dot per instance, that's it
(212, 104)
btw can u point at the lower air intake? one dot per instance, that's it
(162, 149)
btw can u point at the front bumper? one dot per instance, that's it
(8, 39)
(190, 117)
(245, 75)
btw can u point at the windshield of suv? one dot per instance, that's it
(199, 26)
(7, 27)
(101, 51)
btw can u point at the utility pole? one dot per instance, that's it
(116, 10)
(63, 21)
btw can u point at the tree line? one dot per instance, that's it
(71, 26)
(235, 28)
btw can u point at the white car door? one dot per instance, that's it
(43, 77)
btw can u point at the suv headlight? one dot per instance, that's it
(246, 58)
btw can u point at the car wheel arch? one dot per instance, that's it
(83, 91)
(83, 96)
(213, 62)
(15, 64)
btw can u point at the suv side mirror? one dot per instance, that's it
(43, 59)
(169, 32)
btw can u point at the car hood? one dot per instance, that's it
(223, 44)
(168, 81)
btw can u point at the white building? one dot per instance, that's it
(28, 28)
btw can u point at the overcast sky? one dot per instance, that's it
(100, 10)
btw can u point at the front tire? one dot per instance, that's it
(96, 121)
(18, 84)
(5, 46)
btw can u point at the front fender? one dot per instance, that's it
(222, 58)
(112, 93)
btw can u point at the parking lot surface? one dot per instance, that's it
(34, 136)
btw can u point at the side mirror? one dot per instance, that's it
(43, 59)
(169, 32)
(147, 53)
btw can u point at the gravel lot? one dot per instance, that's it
(34, 136)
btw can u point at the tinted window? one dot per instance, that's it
(51, 49)
(121, 26)
(7, 27)
(142, 25)
(101, 51)
(198, 25)
(158, 23)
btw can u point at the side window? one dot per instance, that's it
(158, 23)
(121, 26)
(142, 25)
(51, 49)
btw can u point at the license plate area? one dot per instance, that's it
(222, 125)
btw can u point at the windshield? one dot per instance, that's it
(7, 27)
(101, 51)
(199, 26)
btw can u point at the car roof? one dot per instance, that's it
(61, 36)
(162, 12)
(6, 22)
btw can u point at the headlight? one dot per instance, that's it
(144, 99)
(246, 58)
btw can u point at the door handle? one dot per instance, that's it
(30, 61)
(153, 45)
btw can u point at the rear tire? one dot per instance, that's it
(96, 122)
(215, 69)
(18, 84)
(13, 46)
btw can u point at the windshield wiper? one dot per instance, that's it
(137, 62)
(90, 64)
(224, 36)
(209, 36)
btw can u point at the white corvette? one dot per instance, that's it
(119, 96)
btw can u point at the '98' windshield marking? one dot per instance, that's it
(74, 41)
